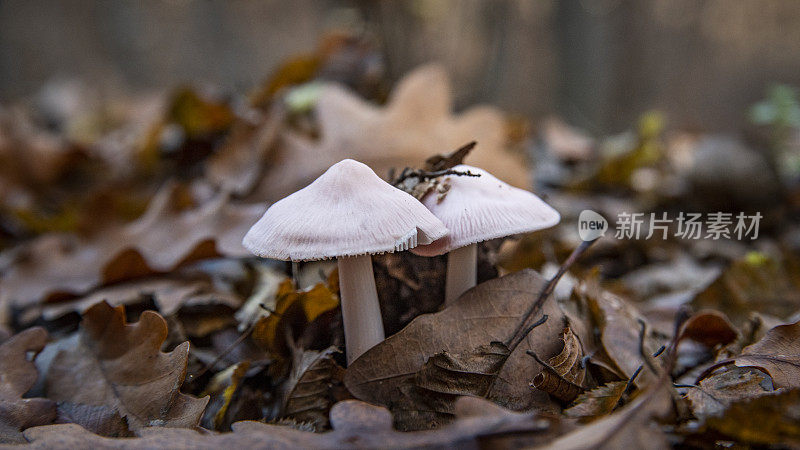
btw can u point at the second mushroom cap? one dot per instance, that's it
(477, 209)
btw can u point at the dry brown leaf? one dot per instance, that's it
(222, 388)
(121, 366)
(416, 123)
(169, 295)
(710, 328)
(621, 331)
(55, 266)
(490, 312)
(268, 331)
(753, 284)
(102, 420)
(355, 425)
(713, 395)
(565, 377)
(630, 427)
(769, 420)
(429, 399)
(17, 376)
(597, 402)
(237, 166)
(777, 354)
(306, 396)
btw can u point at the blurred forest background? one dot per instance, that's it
(599, 63)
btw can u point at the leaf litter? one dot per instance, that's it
(131, 315)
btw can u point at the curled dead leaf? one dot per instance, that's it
(564, 375)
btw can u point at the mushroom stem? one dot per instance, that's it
(361, 312)
(461, 272)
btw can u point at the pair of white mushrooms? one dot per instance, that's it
(350, 213)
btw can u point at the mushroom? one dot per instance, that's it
(348, 213)
(476, 209)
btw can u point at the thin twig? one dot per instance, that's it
(234, 344)
(628, 387)
(423, 175)
(523, 330)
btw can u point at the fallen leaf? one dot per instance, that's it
(17, 376)
(770, 420)
(630, 427)
(755, 283)
(416, 123)
(268, 332)
(713, 395)
(102, 420)
(777, 353)
(237, 166)
(597, 402)
(221, 389)
(306, 395)
(624, 332)
(490, 312)
(169, 295)
(355, 425)
(121, 366)
(53, 266)
(428, 400)
(565, 377)
(710, 328)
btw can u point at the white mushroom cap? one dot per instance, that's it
(476, 209)
(347, 211)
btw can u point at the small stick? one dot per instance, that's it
(628, 387)
(522, 330)
(234, 344)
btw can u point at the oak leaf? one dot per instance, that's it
(102, 420)
(121, 366)
(17, 376)
(416, 123)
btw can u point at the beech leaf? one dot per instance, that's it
(713, 395)
(490, 312)
(777, 353)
